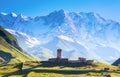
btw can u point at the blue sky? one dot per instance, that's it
(109, 9)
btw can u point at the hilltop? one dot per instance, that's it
(10, 51)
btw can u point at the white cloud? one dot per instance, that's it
(28, 40)
(83, 44)
(45, 54)
(31, 42)
(11, 31)
(112, 58)
(66, 38)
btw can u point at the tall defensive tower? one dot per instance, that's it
(59, 51)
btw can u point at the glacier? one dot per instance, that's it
(83, 34)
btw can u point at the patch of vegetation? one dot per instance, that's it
(34, 69)
(9, 38)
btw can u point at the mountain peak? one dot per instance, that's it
(83, 30)
(23, 17)
(8, 14)
(54, 17)
(56, 13)
(13, 14)
(61, 11)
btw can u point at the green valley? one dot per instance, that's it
(16, 63)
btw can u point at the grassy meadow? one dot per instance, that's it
(35, 69)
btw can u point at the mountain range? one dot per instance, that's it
(78, 34)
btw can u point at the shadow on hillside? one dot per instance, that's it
(53, 64)
(25, 72)
(6, 56)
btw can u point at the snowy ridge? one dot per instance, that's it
(78, 34)
(3, 13)
(23, 37)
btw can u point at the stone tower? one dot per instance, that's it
(59, 51)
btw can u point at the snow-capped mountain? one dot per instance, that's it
(78, 34)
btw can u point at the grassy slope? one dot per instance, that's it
(94, 66)
(8, 44)
(52, 72)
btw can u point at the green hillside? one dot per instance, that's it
(10, 52)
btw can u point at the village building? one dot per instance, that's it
(59, 59)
